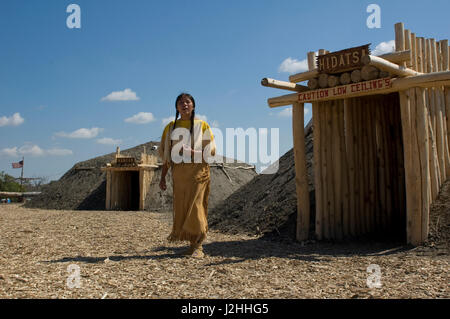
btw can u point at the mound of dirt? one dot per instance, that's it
(268, 203)
(83, 187)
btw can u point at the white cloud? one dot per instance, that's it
(125, 95)
(287, 112)
(384, 47)
(167, 120)
(59, 152)
(141, 118)
(13, 120)
(10, 152)
(201, 117)
(81, 133)
(290, 65)
(109, 141)
(33, 150)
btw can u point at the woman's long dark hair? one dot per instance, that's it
(184, 94)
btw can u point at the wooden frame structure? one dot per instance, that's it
(128, 181)
(381, 140)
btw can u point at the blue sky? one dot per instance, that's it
(57, 100)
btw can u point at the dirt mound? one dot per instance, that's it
(268, 203)
(83, 187)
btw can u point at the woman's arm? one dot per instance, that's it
(164, 170)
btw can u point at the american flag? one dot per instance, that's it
(17, 165)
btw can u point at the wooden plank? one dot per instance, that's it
(301, 179)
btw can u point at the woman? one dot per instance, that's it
(186, 145)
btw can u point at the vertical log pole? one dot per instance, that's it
(422, 134)
(381, 216)
(356, 161)
(337, 170)
(350, 153)
(108, 190)
(324, 169)
(439, 117)
(330, 174)
(317, 158)
(414, 216)
(301, 180)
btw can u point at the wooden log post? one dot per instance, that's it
(381, 217)
(108, 190)
(372, 163)
(324, 169)
(422, 134)
(414, 215)
(283, 85)
(400, 39)
(356, 161)
(350, 154)
(345, 78)
(323, 80)
(333, 81)
(317, 160)
(301, 179)
(388, 66)
(313, 84)
(337, 171)
(369, 72)
(356, 76)
(330, 173)
(439, 116)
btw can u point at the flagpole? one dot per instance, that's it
(21, 176)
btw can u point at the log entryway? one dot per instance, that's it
(128, 181)
(381, 130)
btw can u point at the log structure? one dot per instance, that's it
(128, 181)
(381, 139)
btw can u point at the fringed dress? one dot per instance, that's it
(191, 178)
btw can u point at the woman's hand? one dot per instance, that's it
(162, 184)
(187, 148)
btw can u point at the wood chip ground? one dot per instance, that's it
(126, 255)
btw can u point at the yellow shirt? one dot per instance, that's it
(205, 138)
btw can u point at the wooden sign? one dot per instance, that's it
(341, 61)
(346, 91)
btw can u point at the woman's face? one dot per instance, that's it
(185, 107)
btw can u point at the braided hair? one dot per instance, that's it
(190, 97)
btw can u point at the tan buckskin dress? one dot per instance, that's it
(191, 183)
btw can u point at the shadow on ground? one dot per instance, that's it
(239, 251)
